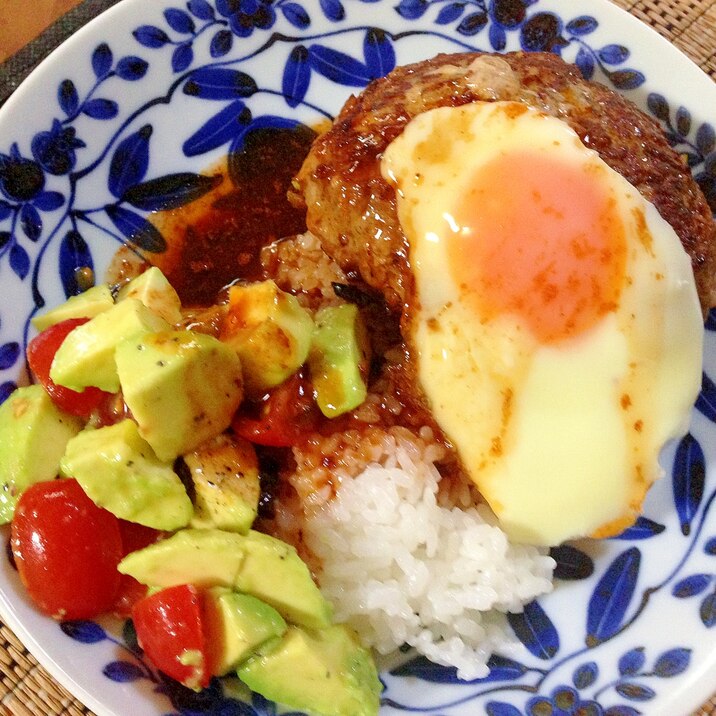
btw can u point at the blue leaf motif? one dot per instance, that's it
(100, 108)
(296, 15)
(503, 669)
(472, 24)
(201, 9)
(130, 161)
(688, 476)
(635, 692)
(710, 546)
(585, 675)
(219, 83)
(643, 528)
(170, 191)
(706, 402)
(48, 200)
(582, 25)
(9, 353)
(338, 67)
(626, 79)
(622, 711)
(179, 21)
(585, 62)
(572, 563)
(613, 54)
(5, 238)
(425, 670)
(632, 662)
(450, 13)
(31, 222)
(691, 586)
(102, 60)
(500, 708)
(535, 630)
(136, 229)
(74, 254)
(378, 52)
(19, 261)
(412, 9)
(219, 130)
(296, 76)
(182, 57)
(123, 672)
(672, 662)
(84, 631)
(132, 68)
(221, 43)
(705, 138)
(498, 37)
(151, 36)
(333, 9)
(67, 97)
(658, 106)
(267, 121)
(611, 597)
(5, 211)
(683, 121)
(6, 390)
(707, 611)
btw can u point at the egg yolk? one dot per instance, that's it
(541, 239)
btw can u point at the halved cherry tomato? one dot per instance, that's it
(66, 550)
(286, 414)
(130, 591)
(170, 629)
(40, 354)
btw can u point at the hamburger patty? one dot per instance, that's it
(352, 209)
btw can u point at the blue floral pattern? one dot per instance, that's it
(210, 53)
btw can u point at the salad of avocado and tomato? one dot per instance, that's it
(130, 480)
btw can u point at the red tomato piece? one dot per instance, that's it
(170, 629)
(287, 414)
(66, 550)
(130, 591)
(40, 354)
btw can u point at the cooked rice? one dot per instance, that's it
(401, 568)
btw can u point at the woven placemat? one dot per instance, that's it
(26, 689)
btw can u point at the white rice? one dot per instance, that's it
(400, 568)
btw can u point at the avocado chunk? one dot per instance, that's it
(92, 302)
(119, 471)
(33, 437)
(182, 388)
(273, 572)
(338, 359)
(269, 330)
(254, 563)
(236, 625)
(225, 475)
(86, 356)
(323, 673)
(156, 293)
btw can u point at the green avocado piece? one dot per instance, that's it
(119, 471)
(321, 673)
(206, 558)
(273, 572)
(270, 331)
(86, 356)
(33, 436)
(338, 359)
(236, 625)
(92, 302)
(225, 475)
(254, 563)
(154, 290)
(182, 388)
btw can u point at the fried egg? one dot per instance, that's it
(555, 323)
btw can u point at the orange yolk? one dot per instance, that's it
(543, 240)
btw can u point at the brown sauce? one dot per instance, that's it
(218, 239)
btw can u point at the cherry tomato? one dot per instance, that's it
(40, 354)
(287, 414)
(130, 591)
(170, 629)
(66, 550)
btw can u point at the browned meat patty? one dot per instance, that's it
(353, 210)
